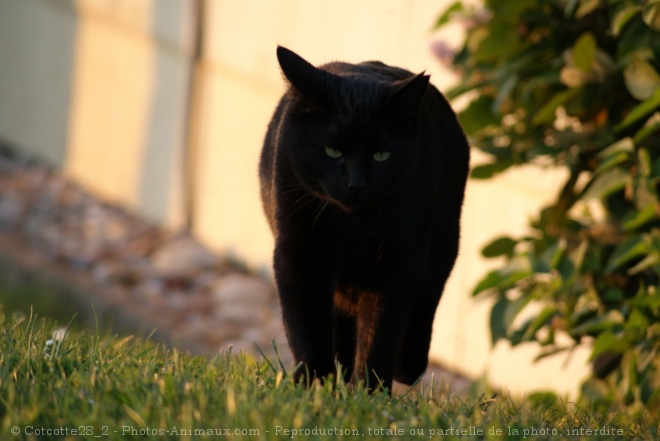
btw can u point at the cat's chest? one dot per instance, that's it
(359, 251)
(364, 236)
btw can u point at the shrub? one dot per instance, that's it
(574, 84)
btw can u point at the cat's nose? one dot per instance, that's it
(356, 185)
(355, 176)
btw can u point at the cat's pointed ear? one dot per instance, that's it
(406, 95)
(314, 85)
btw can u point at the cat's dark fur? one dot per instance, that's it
(362, 172)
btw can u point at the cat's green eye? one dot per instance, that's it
(333, 153)
(381, 156)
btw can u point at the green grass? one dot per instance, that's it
(126, 388)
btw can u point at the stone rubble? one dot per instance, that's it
(169, 280)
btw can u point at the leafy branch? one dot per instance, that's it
(573, 84)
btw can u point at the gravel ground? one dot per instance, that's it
(142, 274)
(157, 278)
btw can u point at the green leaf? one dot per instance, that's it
(647, 262)
(595, 390)
(551, 257)
(479, 114)
(605, 184)
(566, 268)
(641, 217)
(570, 8)
(499, 43)
(637, 321)
(649, 389)
(446, 16)
(558, 251)
(464, 87)
(608, 321)
(641, 78)
(623, 145)
(627, 251)
(644, 162)
(651, 125)
(655, 168)
(546, 114)
(487, 171)
(492, 280)
(506, 88)
(497, 328)
(607, 342)
(539, 321)
(554, 350)
(513, 308)
(623, 16)
(629, 363)
(510, 11)
(619, 152)
(584, 51)
(579, 253)
(640, 111)
(506, 277)
(499, 247)
(651, 15)
(586, 7)
(614, 294)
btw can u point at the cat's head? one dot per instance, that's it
(351, 130)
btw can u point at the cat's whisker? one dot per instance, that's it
(357, 220)
(319, 211)
(293, 189)
(302, 203)
(380, 214)
(353, 218)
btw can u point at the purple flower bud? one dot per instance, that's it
(443, 52)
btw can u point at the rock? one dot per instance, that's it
(106, 271)
(150, 290)
(175, 300)
(242, 299)
(102, 230)
(182, 256)
(11, 209)
(240, 288)
(167, 281)
(242, 314)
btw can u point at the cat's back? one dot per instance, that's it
(368, 70)
(267, 162)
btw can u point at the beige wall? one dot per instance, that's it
(36, 60)
(101, 88)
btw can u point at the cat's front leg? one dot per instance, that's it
(381, 326)
(306, 296)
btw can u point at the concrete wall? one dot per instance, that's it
(37, 42)
(101, 89)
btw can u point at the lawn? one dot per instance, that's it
(60, 384)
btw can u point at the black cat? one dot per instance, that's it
(362, 172)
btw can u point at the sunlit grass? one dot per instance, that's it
(83, 386)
